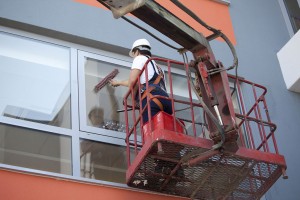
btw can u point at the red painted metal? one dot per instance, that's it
(163, 121)
(164, 156)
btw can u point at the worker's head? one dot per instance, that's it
(142, 46)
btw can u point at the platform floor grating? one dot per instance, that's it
(220, 176)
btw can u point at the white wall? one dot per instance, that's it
(288, 58)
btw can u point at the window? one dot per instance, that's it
(103, 161)
(180, 84)
(34, 81)
(36, 90)
(101, 107)
(293, 10)
(183, 111)
(35, 149)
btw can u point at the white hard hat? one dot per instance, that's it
(140, 42)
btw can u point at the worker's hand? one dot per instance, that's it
(114, 83)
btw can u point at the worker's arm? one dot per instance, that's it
(127, 83)
(119, 83)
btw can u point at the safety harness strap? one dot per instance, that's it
(155, 100)
(151, 88)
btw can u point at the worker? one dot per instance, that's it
(141, 52)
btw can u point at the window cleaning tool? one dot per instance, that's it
(105, 80)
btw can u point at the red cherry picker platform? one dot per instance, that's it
(174, 154)
(219, 143)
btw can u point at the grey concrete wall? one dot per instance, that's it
(70, 17)
(260, 32)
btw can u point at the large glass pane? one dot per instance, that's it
(35, 149)
(102, 105)
(179, 85)
(293, 9)
(182, 107)
(34, 80)
(103, 161)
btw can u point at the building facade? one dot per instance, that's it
(53, 125)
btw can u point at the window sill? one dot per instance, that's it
(226, 2)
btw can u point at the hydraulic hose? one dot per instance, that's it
(215, 31)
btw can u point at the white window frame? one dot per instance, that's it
(36, 125)
(82, 56)
(74, 132)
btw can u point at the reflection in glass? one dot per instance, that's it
(34, 81)
(35, 149)
(103, 161)
(102, 106)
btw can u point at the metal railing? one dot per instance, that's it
(255, 128)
